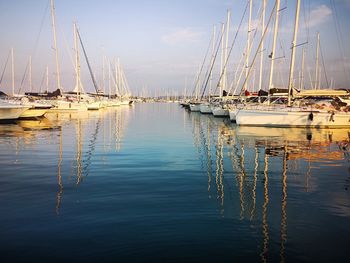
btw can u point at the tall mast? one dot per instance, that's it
(222, 58)
(77, 63)
(55, 45)
(116, 76)
(273, 53)
(317, 65)
(30, 74)
(47, 79)
(301, 86)
(213, 53)
(109, 80)
(292, 61)
(103, 74)
(248, 44)
(226, 47)
(13, 73)
(119, 79)
(262, 44)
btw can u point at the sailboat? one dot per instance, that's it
(34, 109)
(220, 108)
(10, 111)
(319, 114)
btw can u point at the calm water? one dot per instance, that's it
(154, 183)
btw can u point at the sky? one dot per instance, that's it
(162, 43)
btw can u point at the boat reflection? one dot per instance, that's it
(72, 137)
(87, 126)
(245, 156)
(291, 145)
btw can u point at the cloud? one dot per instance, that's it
(181, 36)
(319, 15)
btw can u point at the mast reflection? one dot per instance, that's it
(87, 129)
(286, 149)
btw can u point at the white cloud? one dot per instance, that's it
(319, 15)
(181, 36)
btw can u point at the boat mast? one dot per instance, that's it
(116, 76)
(272, 55)
(226, 48)
(262, 44)
(30, 74)
(213, 53)
(294, 43)
(222, 57)
(248, 44)
(55, 45)
(103, 74)
(317, 64)
(47, 79)
(109, 80)
(301, 86)
(13, 73)
(77, 63)
(119, 80)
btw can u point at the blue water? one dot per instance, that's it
(155, 183)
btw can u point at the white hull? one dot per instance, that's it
(68, 106)
(95, 105)
(205, 108)
(233, 114)
(11, 113)
(126, 102)
(195, 107)
(113, 103)
(220, 112)
(286, 117)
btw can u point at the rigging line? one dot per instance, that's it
(338, 28)
(339, 39)
(324, 67)
(42, 81)
(306, 24)
(232, 45)
(244, 66)
(257, 52)
(89, 66)
(41, 28)
(23, 78)
(205, 58)
(114, 80)
(3, 72)
(67, 47)
(212, 64)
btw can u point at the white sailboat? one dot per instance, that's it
(10, 111)
(33, 109)
(293, 116)
(219, 109)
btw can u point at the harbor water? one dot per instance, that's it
(156, 183)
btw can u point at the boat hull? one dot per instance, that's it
(205, 109)
(290, 118)
(233, 114)
(65, 106)
(220, 112)
(195, 107)
(11, 113)
(95, 105)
